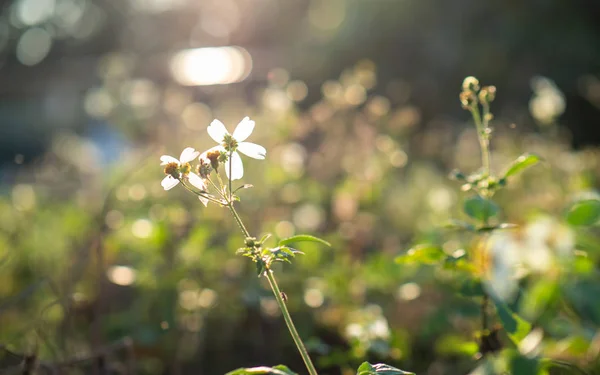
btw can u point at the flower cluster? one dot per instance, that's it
(225, 153)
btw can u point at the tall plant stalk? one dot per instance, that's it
(280, 301)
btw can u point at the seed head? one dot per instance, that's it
(172, 169)
(213, 157)
(204, 168)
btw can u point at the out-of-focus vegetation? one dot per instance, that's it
(93, 250)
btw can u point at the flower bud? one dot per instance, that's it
(467, 99)
(471, 84)
(487, 94)
(250, 241)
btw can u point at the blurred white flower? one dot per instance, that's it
(231, 143)
(176, 170)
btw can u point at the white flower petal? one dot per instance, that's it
(195, 180)
(166, 159)
(169, 182)
(252, 150)
(188, 155)
(244, 129)
(237, 168)
(217, 130)
(203, 200)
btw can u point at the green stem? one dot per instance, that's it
(211, 199)
(290, 324)
(216, 188)
(482, 125)
(230, 176)
(483, 141)
(238, 220)
(282, 306)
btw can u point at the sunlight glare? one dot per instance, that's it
(121, 275)
(211, 66)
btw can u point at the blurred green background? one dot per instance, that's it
(357, 104)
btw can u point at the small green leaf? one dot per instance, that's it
(245, 186)
(294, 251)
(303, 238)
(422, 254)
(459, 263)
(263, 370)
(497, 227)
(265, 237)
(516, 327)
(285, 369)
(459, 225)
(260, 267)
(365, 368)
(380, 369)
(521, 163)
(586, 212)
(480, 208)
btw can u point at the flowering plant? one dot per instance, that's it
(205, 181)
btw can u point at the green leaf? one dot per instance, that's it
(516, 327)
(245, 186)
(303, 238)
(380, 369)
(459, 263)
(521, 365)
(521, 163)
(263, 370)
(586, 212)
(497, 227)
(264, 238)
(284, 369)
(422, 254)
(480, 208)
(260, 267)
(459, 225)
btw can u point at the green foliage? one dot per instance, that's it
(379, 369)
(480, 208)
(422, 254)
(303, 238)
(521, 163)
(263, 370)
(455, 224)
(584, 213)
(521, 365)
(184, 289)
(516, 327)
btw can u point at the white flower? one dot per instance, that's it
(235, 142)
(176, 170)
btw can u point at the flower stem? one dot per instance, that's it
(230, 176)
(482, 125)
(483, 138)
(282, 306)
(290, 324)
(238, 220)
